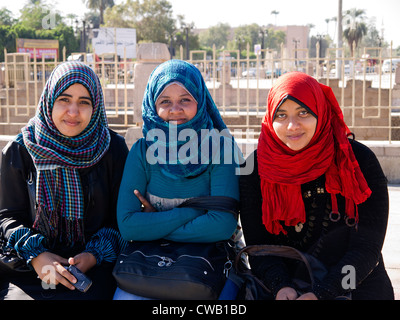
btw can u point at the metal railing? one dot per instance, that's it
(363, 88)
(239, 85)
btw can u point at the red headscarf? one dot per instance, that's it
(282, 170)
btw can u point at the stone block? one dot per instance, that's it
(132, 135)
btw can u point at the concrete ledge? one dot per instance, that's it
(4, 140)
(389, 156)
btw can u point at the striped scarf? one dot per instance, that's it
(207, 117)
(57, 157)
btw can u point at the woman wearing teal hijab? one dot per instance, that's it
(207, 117)
(172, 163)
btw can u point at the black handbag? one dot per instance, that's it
(10, 261)
(307, 270)
(172, 270)
(252, 288)
(177, 271)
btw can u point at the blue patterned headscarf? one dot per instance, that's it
(57, 157)
(207, 117)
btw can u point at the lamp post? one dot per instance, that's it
(262, 33)
(239, 41)
(186, 29)
(171, 37)
(339, 40)
(379, 45)
(84, 34)
(319, 38)
(296, 42)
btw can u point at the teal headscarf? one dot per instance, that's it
(207, 117)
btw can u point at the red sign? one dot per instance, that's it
(48, 53)
(47, 49)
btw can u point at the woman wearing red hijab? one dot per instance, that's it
(317, 191)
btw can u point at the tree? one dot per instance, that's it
(249, 33)
(373, 37)
(274, 12)
(152, 19)
(218, 35)
(71, 17)
(155, 19)
(274, 39)
(36, 12)
(100, 5)
(356, 27)
(7, 40)
(120, 16)
(34, 23)
(65, 36)
(6, 17)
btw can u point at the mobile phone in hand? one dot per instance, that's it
(83, 283)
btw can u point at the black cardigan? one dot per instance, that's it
(334, 243)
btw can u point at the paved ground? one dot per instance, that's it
(391, 247)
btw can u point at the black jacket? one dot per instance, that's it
(334, 243)
(100, 185)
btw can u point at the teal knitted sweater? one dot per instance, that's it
(165, 192)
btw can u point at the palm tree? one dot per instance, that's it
(275, 13)
(101, 5)
(327, 25)
(72, 17)
(356, 28)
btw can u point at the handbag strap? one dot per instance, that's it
(277, 251)
(31, 185)
(218, 203)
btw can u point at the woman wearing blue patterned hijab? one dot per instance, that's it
(207, 118)
(77, 163)
(57, 156)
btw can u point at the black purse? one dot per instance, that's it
(178, 271)
(172, 270)
(308, 269)
(10, 261)
(252, 288)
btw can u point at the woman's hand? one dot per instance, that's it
(307, 296)
(286, 293)
(147, 207)
(83, 261)
(50, 268)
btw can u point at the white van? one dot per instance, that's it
(386, 65)
(81, 57)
